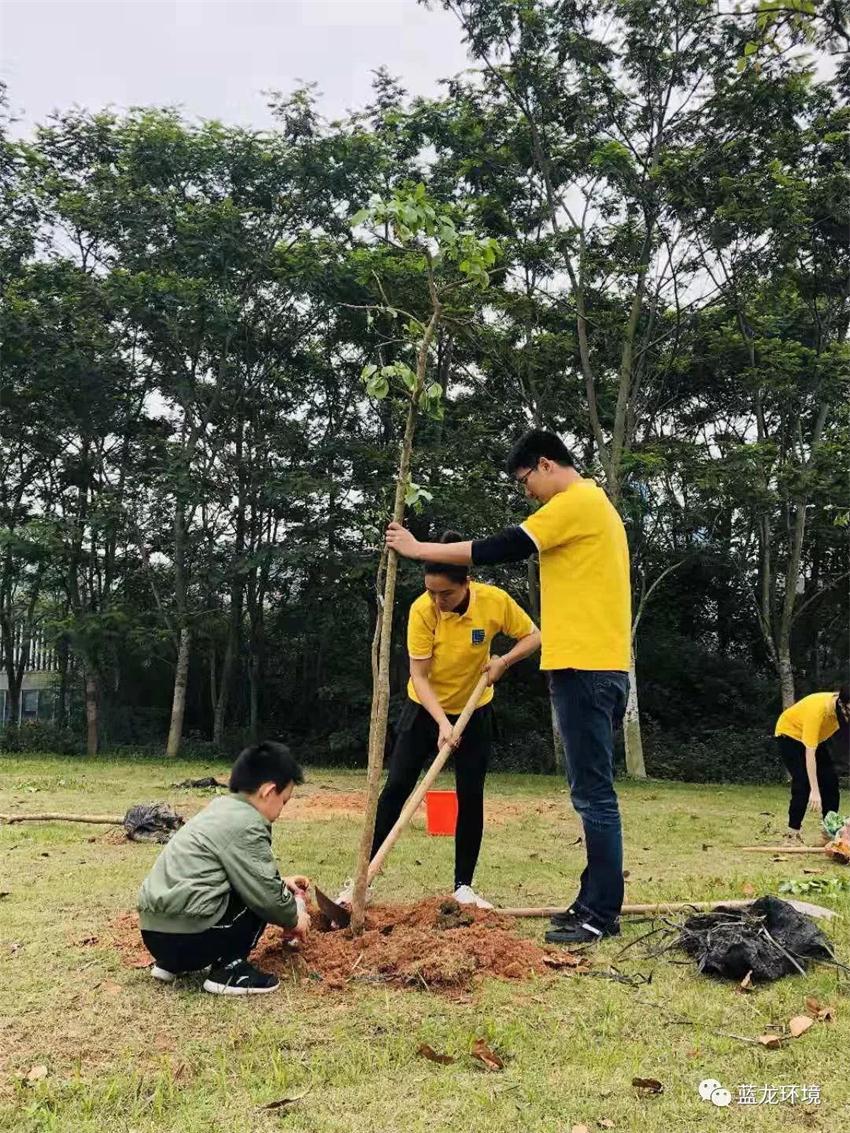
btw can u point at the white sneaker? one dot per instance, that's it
(162, 974)
(466, 895)
(346, 894)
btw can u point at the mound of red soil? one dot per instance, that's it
(434, 944)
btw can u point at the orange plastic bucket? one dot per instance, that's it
(440, 812)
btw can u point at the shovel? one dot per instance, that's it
(339, 914)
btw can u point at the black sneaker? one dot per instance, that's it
(563, 920)
(581, 932)
(240, 978)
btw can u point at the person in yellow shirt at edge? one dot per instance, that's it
(802, 733)
(449, 632)
(585, 622)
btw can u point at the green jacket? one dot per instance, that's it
(227, 846)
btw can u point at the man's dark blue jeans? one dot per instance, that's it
(589, 706)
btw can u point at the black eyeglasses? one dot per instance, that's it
(520, 480)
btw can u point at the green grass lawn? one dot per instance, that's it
(126, 1054)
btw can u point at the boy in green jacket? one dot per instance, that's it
(216, 884)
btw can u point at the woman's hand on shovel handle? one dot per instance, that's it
(446, 736)
(294, 884)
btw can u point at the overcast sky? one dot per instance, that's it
(216, 57)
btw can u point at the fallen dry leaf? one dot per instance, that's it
(772, 1042)
(433, 1056)
(562, 960)
(110, 987)
(694, 1053)
(649, 1085)
(485, 1056)
(746, 983)
(799, 1025)
(36, 1074)
(281, 1103)
(813, 1006)
(748, 889)
(579, 1129)
(605, 1123)
(811, 871)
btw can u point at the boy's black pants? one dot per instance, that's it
(233, 938)
(416, 747)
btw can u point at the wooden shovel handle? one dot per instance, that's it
(412, 804)
(103, 819)
(627, 910)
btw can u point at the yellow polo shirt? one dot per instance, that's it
(811, 720)
(585, 593)
(460, 643)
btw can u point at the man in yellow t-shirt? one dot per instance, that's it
(585, 622)
(802, 735)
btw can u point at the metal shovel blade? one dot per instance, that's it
(337, 914)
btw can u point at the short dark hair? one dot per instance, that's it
(457, 572)
(266, 762)
(533, 445)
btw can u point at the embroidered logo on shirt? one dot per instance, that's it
(478, 636)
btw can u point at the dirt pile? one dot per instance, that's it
(402, 946)
(434, 944)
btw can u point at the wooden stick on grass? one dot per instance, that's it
(102, 819)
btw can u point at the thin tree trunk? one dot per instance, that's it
(254, 699)
(91, 714)
(635, 765)
(178, 706)
(63, 652)
(786, 676)
(227, 666)
(213, 680)
(231, 652)
(381, 696)
(14, 698)
(181, 672)
(558, 755)
(381, 692)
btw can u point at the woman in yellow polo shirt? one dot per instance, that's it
(449, 631)
(802, 733)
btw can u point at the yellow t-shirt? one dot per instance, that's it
(460, 643)
(585, 593)
(811, 720)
